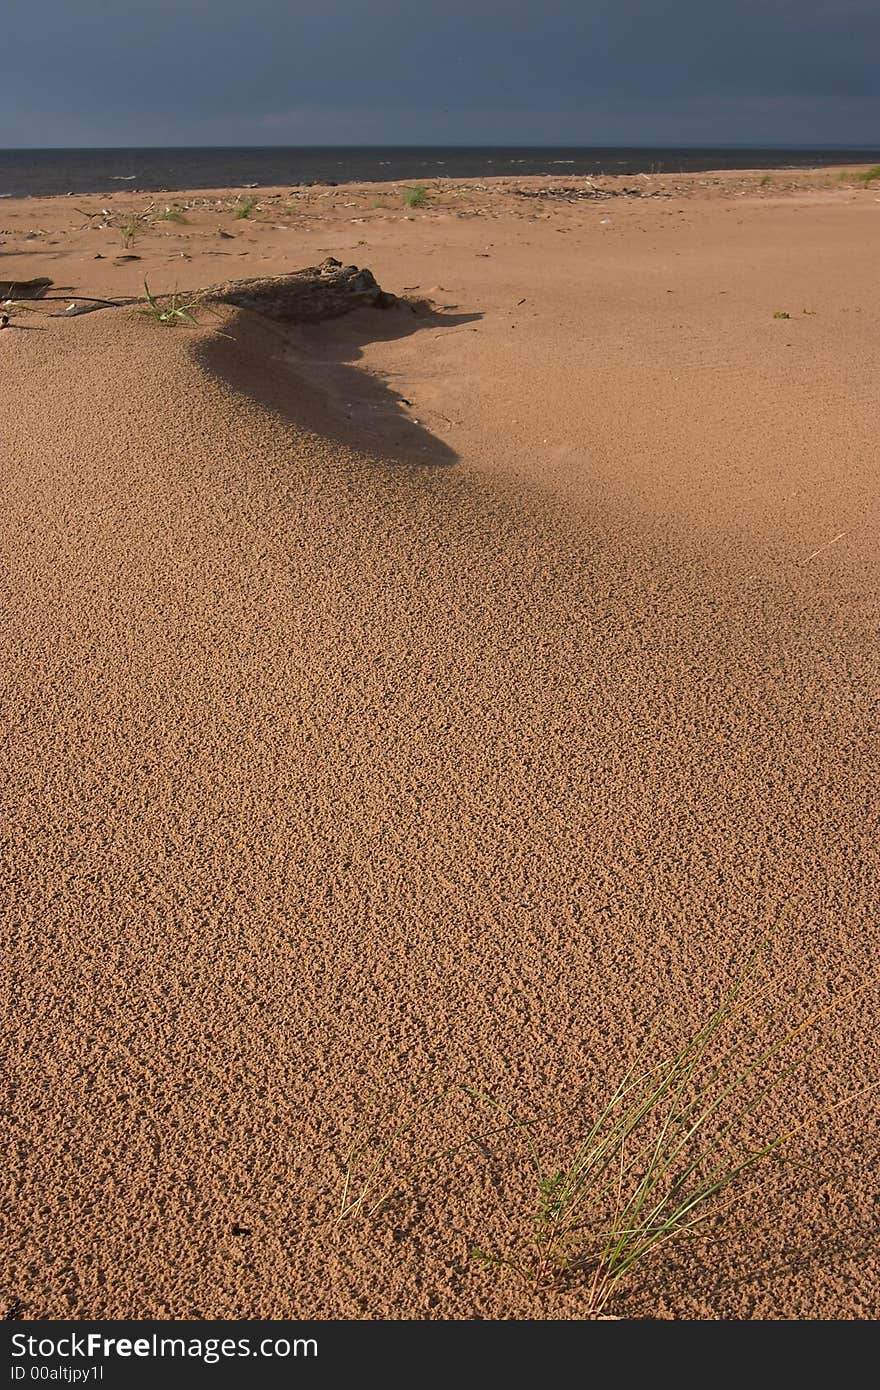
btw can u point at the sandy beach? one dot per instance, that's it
(450, 694)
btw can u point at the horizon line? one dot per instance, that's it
(437, 145)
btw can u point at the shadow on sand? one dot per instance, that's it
(308, 375)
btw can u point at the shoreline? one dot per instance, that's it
(96, 172)
(783, 178)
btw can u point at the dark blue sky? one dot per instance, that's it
(142, 72)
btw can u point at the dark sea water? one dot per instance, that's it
(24, 172)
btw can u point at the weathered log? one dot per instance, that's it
(324, 291)
(304, 296)
(24, 289)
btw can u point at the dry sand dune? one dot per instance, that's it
(347, 753)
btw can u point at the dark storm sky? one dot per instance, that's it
(142, 72)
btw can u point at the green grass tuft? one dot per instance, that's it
(653, 1166)
(415, 197)
(245, 207)
(860, 176)
(171, 214)
(169, 310)
(130, 230)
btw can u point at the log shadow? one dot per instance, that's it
(308, 374)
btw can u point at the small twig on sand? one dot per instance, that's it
(834, 539)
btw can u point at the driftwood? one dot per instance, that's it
(24, 289)
(319, 292)
(304, 296)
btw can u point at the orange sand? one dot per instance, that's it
(421, 697)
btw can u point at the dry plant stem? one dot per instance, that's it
(357, 1206)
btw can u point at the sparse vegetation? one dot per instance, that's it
(171, 214)
(245, 207)
(170, 309)
(130, 230)
(416, 196)
(173, 309)
(652, 1167)
(860, 175)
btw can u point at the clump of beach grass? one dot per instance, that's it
(415, 197)
(171, 214)
(169, 310)
(860, 175)
(656, 1164)
(130, 230)
(244, 207)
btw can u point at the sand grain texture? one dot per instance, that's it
(345, 751)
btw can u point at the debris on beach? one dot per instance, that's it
(325, 291)
(304, 296)
(574, 195)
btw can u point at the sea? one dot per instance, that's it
(42, 172)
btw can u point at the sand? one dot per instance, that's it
(420, 699)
